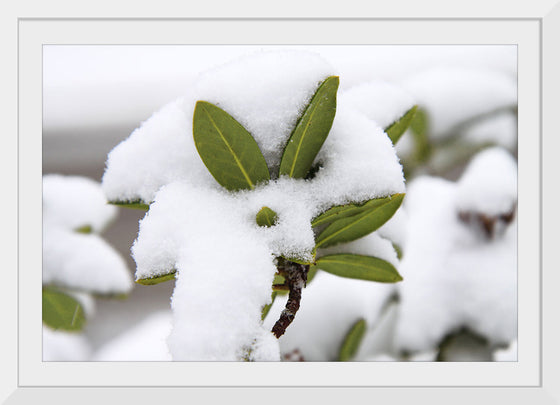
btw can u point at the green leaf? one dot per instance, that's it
(311, 273)
(266, 217)
(343, 211)
(398, 250)
(359, 267)
(267, 307)
(227, 149)
(84, 229)
(62, 311)
(356, 226)
(352, 341)
(419, 123)
(157, 279)
(137, 204)
(310, 131)
(397, 128)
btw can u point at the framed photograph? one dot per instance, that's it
(88, 83)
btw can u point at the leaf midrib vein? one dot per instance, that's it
(311, 114)
(230, 150)
(362, 216)
(350, 264)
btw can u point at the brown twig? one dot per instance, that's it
(295, 275)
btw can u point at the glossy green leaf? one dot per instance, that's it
(228, 150)
(62, 311)
(398, 128)
(266, 217)
(137, 204)
(343, 211)
(84, 229)
(310, 131)
(352, 341)
(359, 267)
(157, 279)
(359, 225)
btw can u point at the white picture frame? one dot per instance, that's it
(533, 28)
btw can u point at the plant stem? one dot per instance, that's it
(295, 275)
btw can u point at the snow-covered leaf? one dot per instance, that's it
(397, 128)
(352, 341)
(61, 311)
(311, 131)
(359, 225)
(138, 205)
(228, 150)
(359, 267)
(157, 279)
(266, 217)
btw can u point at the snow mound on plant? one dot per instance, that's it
(456, 277)
(500, 129)
(74, 201)
(79, 260)
(224, 261)
(451, 96)
(380, 101)
(489, 184)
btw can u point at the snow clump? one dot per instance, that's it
(72, 259)
(457, 277)
(225, 263)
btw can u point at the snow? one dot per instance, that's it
(224, 261)
(331, 304)
(381, 101)
(266, 92)
(455, 276)
(74, 201)
(395, 228)
(489, 184)
(83, 261)
(145, 341)
(86, 301)
(507, 354)
(224, 271)
(162, 151)
(64, 346)
(500, 129)
(454, 95)
(77, 260)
